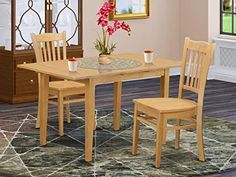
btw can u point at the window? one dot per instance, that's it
(228, 17)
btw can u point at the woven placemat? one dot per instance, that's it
(116, 64)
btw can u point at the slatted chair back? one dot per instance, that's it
(48, 46)
(197, 57)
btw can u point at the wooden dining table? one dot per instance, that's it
(91, 78)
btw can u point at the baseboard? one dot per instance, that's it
(214, 73)
(211, 74)
(175, 71)
(222, 74)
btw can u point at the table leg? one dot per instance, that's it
(39, 96)
(43, 106)
(164, 84)
(164, 92)
(117, 104)
(89, 118)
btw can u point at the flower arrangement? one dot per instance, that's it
(102, 44)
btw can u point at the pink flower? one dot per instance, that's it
(104, 11)
(102, 21)
(116, 24)
(106, 8)
(125, 27)
(108, 29)
(112, 7)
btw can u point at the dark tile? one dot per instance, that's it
(64, 156)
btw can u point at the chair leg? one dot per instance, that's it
(177, 134)
(68, 111)
(60, 114)
(38, 118)
(38, 113)
(200, 140)
(135, 132)
(164, 132)
(94, 124)
(159, 141)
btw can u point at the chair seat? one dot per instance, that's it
(165, 105)
(64, 85)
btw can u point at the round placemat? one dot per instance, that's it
(116, 64)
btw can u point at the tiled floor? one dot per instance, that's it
(63, 156)
(21, 154)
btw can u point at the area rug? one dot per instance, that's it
(21, 155)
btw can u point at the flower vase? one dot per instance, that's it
(104, 59)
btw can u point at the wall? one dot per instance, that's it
(159, 32)
(193, 19)
(213, 19)
(199, 19)
(164, 31)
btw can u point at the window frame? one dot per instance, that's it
(232, 13)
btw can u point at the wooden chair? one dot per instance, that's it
(47, 48)
(155, 112)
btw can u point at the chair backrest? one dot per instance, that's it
(47, 46)
(197, 57)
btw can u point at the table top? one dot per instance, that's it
(116, 64)
(60, 68)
